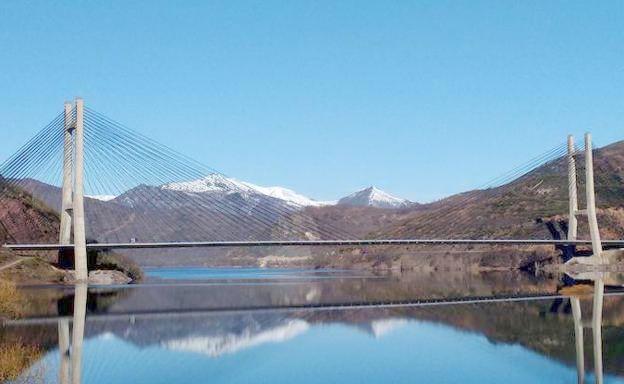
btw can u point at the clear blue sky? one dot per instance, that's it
(421, 98)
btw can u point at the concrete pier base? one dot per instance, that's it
(608, 258)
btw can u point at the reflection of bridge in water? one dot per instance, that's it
(71, 343)
(119, 154)
(315, 307)
(595, 325)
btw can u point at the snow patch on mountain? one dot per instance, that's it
(211, 183)
(101, 197)
(287, 195)
(374, 197)
(222, 184)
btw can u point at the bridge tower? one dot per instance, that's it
(590, 198)
(72, 206)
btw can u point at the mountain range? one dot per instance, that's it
(217, 183)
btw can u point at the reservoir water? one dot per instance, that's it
(199, 325)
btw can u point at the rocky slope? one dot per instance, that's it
(25, 219)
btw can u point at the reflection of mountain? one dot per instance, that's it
(383, 327)
(180, 298)
(540, 326)
(379, 327)
(543, 326)
(329, 354)
(218, 344)
(229, 343)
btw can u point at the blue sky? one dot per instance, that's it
(420, 98)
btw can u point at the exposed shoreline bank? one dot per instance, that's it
(25, 269)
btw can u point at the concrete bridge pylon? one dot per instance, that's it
(590, 197)
(72, 205)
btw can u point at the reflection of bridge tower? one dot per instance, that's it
(71, 356)
(596, 327)
(590, 197)
(72, 207)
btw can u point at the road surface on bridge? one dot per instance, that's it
(308, 243)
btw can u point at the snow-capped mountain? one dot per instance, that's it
(222, 184)
(373, 197)
(101, 197)
(288, 195)
(211, 183)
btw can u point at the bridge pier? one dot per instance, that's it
(72, 206)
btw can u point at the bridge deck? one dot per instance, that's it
(308, 243)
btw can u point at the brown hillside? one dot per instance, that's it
(526, 207)
(24, 219)
(534, 205)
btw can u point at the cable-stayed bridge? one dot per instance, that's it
(116, 188)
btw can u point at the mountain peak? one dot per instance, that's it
(374, 197)
(217, 183)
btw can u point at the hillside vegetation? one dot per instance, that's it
(26, 219)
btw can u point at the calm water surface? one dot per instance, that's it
(197, 273)
(299, 326)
